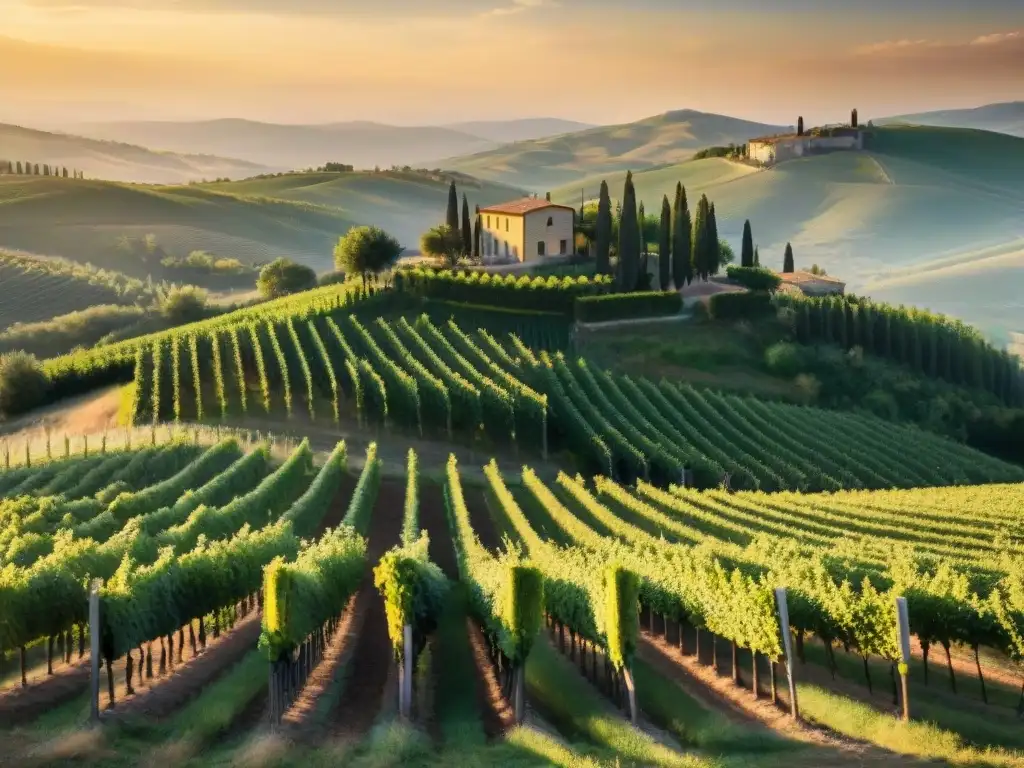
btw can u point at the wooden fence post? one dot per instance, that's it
(405, 676)
(94, 649)
(903, 626)
(519, 703)
(627, 677)
(787, 646)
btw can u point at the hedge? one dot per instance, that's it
(754, 278)
(740, 305)
(531, 292)
(618, 306)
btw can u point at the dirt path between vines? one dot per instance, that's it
(368, 669)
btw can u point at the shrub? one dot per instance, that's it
(754, 278)
(23, 383)
(521, 292)
(740, 306)
(366, 251)
(617, 306)
(185, 304)
(282, 277)
(785, 359)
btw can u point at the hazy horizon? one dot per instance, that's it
(318, 61)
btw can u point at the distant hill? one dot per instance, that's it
(290, 147)
(115, 161)
(1001, 118)
(405, 203)
(300, 216)
(505, 131)
(927, 216)
(542, 164)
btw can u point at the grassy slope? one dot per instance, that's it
(299, 215)
(1004, 118)
(32, 295)
(405, 204)
(546, 163)
(111, 160)
(918, 195)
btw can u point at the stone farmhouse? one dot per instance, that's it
(813, 285)
(769, 150)
(1016, 345)
(525, 230)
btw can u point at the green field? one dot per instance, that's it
(34, 289)
(298, 216)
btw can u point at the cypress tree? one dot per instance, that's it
(800, 126)
(757, 257)
(476, 235)
(36, 169)
(714, 250)
(699, 238)
(65, 172)
(787, 259)
(603, 231)
(682, 271)
(640, 221)
(867, 326)
(467, 230)
(629, 238)
(665, 245)
(46, 170)
(747, 249)
(19, 168)
(452, 216)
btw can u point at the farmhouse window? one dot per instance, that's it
(551, 221)
(562, 246)
(540, 247)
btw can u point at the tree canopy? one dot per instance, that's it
(366, 251)
(283, 276)
(443, 242)
(787, 259)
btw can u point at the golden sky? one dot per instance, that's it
(436, 61)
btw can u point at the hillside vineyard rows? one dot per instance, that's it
(438, 380)
(232, 539)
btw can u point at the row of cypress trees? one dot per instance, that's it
(688, 244)
(934, 345)
(17, 168)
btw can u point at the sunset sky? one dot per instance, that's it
(436, 61)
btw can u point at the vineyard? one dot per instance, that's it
(307, 598)
(436, 379)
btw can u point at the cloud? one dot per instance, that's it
(889, 46)
(996, 38)
(909, 46)
(518, 6)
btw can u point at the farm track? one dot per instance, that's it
(19, 705)
(367, 671)
(163, 696)
(495, 711)
(716, 692)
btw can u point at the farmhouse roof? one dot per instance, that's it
(802, 277)
(777, 139)
(523, 206)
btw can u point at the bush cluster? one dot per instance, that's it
(754, 278)
(620, 306)
(548, 294)
(740, 306)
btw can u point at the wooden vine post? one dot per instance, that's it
(787, 648)
(94, 649)
(903, 627)
(405, 674)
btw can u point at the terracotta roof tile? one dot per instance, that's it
(522, 206)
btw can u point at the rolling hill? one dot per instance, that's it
(288, 147)
(504, 131)
(33, 289)
(115, 161)
(542, 164)
(1001, 118)
(297, 215)
(925, 216)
